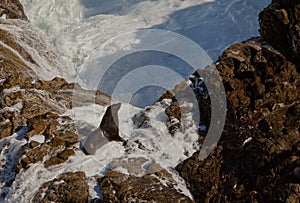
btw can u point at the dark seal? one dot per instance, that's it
(110, 123)
(107, 131)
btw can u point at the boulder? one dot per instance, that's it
(69, 187)
(118, 187)
(259, 148)
(280, 26)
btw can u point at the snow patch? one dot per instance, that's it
(37, 138)
(3, 16)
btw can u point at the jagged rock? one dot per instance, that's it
(258, 150)
(117, 187)
(174, 116)
(56, 151)
(32, 156)
(59, 158)
(14, 72)
(34, 144)
(12, 9)
(37, 126)
(69, 187)
(6, 128)
(280, 26)
(167, 95)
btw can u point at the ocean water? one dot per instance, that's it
(87, 32)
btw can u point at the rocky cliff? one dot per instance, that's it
(31, 109)
(256, 160)
(258, 155)
(279, 25)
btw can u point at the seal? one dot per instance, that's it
(107, 131)
(110, 123)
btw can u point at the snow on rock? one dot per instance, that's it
(34, 49)
(279, 24)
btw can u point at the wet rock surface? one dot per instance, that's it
(259, 147)
(280, 26)
(69, 187)
(117, 187)
(31, 109)
(12, 9)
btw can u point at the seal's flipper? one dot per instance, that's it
(94, 142)
(107, 131)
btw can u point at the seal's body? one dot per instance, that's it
(107, 131)
(110, 123)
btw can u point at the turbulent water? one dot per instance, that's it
(82, 30)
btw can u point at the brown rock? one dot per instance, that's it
(53, 161)
(117, 187)
(33, 156)
(263, 105)
(37, 125)
(60, 158)
(173, 111)
(174, 116)
(51, 130)
(69, 137)
(9, 39)
(168, 95)
(66, 153)
(280, 26)
(13, 9)
(34, 144)
(35, 107)
(6, 129)
(69, 187)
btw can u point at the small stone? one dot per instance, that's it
(34, 144)
(6, 129)
(296, 172)
(53, 161)
(66, 153)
